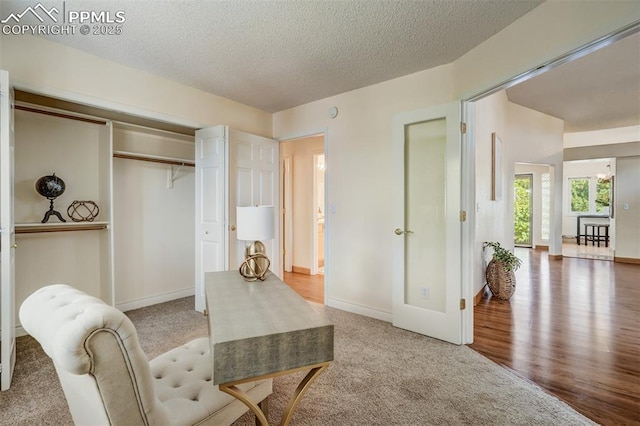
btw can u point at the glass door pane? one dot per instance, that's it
(425, 242)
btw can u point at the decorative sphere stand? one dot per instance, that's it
(51, 211)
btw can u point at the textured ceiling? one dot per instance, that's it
(598, 91)
(275, 55)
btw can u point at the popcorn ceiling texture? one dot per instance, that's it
(275, 55)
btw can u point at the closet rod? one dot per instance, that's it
(153, 158)
(59, 114)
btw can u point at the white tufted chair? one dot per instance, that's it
(106, 377)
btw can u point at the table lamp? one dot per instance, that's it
(255, 224)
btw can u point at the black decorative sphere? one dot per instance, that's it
(50, 186)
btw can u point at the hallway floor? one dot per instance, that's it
(572, 327)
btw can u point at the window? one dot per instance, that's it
(603, 195)
(546, 205)
(590, 195)
(579, 188)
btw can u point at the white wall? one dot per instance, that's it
(627, 220)
(301, 152)
(602, 137)
(154, 253)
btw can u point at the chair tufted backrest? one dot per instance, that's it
(103, 370)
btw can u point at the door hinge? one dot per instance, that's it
(463, 128)
(463, 216)
(463, 304)
(206, 313)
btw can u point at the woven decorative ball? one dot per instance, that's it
(502, 283)
(83, 211)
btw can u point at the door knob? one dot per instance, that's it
(14, 246)
(399, 231)
(233, 227)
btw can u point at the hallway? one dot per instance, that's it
(572, 327)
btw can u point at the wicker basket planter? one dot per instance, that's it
(502, 282)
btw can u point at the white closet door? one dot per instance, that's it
(7, 235)
(211, 180)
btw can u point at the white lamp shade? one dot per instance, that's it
(255, 223)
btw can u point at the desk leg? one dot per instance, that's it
(300, 390)
(304, 385)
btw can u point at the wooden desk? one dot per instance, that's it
(260, 330)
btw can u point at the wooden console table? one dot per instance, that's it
(260, 330)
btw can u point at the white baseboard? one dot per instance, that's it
(154, 300)
(359, 309)
(21, 331)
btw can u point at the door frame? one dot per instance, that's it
(327, 217)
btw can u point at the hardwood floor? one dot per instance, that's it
(572, 327)
(310, 287)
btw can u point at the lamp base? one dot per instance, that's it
(256, 263)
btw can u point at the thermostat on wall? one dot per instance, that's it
(333, 112)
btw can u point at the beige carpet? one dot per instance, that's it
(381, 376)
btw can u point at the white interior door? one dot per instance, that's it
(253, 180)
(427, 251)
(7, 236)
(211, 196)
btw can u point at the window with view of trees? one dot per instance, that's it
(603, 194)
(579, 195)
(590, 195)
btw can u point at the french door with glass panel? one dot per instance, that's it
(427, 228)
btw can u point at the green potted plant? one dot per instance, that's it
(501, 269)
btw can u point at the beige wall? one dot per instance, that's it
(40, 65)
(627, 220)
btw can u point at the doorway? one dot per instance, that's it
(303, 207)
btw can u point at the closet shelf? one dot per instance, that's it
(32, 228)
(154, 158)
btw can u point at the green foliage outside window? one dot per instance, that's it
(603, 194)
(579, 195)
(522, 231)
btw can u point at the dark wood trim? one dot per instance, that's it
(630, 260)
(555, 257)
(540, 247)
(59, 115)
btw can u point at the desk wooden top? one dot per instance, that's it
(262, 327)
